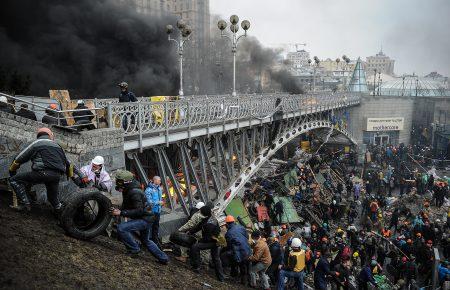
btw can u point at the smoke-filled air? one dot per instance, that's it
(86, 46)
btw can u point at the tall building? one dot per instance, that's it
(380, 62)
(195, 13)
(298, 59)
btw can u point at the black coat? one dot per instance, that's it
(82, 116)
(133, 205)
(25, 113)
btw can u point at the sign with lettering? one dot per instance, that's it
(385, 124)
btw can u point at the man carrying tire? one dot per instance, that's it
(133, 207)
(48, 164)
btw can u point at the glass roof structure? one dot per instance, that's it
(358, 81)
(412, 85)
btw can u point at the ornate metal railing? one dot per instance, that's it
(151, 117)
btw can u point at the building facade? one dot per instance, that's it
(298, 59)
(379, 62)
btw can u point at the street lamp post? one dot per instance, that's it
(316, 64)
(234, 27)
(185, 32)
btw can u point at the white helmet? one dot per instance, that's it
(199, 205)
(98, 160)
(80, 102)
(3, 99)
(296, 243)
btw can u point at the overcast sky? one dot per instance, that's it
(416, 33)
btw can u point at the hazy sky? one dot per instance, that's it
(416, 33)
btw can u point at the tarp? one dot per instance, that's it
(320, 179)
(290, 213)
(237, 209)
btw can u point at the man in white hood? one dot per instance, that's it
(96, 173)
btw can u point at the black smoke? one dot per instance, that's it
(87, 46)
(259, 69)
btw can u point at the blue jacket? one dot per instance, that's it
(237, 241)
(443, 272)
(153, 193)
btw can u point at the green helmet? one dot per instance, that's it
(123, 177)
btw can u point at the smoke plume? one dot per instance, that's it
(258, 68)
(87, 46)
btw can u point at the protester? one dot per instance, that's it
(153, 193)
(260, 260)
(24, 112)
(97, 174)
(294, 267)
(48, 163)
(140, 217)
(238, 250)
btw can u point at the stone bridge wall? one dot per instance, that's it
(17, 132)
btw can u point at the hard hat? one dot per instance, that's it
(47, 131)
(409, 241)
(334, 201)
(380, 215)
(53, 106)
(229, 219)
(296, 243)
(404, 259)
(98, 160)
(199, 205)
(373, 263)
(80, 102)
(355, 255)
(3, 99)
(123, 85)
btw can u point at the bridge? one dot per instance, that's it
(214, 145)
(207, 147)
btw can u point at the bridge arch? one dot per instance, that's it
(283, 138)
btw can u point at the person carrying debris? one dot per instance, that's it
(260, 261)
(83, 116)
(140, 217)
(52, 117)
(96, 173)
(294, 267)
(210, 230)
(238, 249)
(153, 193)
(48, 163)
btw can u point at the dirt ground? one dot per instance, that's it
(35, 254)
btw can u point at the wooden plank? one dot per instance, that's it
(63, 97)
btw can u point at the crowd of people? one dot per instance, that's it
(381, 227)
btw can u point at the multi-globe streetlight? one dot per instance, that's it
(234, 38)
(185, 32)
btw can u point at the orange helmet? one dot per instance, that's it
(53, 106)
(409, 241)
(229, 219)
(46, 131)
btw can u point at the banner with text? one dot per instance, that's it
(385, 124)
